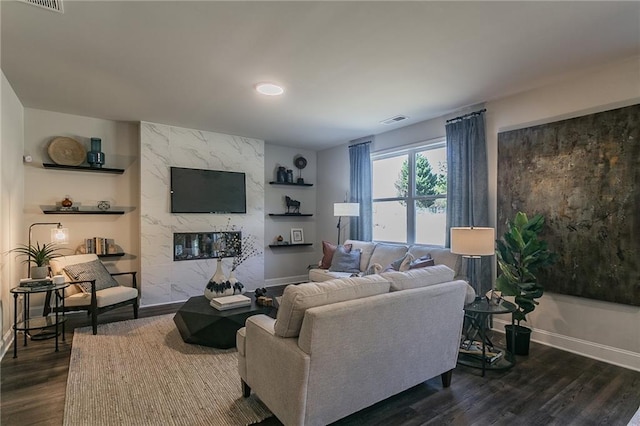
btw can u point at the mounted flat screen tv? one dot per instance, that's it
(207, 191)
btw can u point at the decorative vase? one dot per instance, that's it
(95, 157)
(66, 203)
(218, 285)
(238, 287)
(282, 174)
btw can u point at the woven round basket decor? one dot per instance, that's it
(66, 151)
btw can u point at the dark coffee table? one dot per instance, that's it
(202, 324)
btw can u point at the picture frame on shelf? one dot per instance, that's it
(297, 236)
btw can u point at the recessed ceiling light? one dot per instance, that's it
(269, 89)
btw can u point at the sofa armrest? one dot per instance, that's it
(277, 369)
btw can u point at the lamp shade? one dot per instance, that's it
(473, 241)
(346, 209)
(60, 235)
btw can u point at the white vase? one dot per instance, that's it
(213, 288)
(234, 283)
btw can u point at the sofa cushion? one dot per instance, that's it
(384, 254)
(415, 278)
(319, 275)
(345, 260)
(366, 247)
(296, 299)
(93, 270)
(328, 250)
(441, 256)
(422, 262)
(107, 297)
(401, 264)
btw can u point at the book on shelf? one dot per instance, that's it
(473, 348)
(230, 302)
(99, 245)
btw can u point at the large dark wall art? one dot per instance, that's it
(583, 175)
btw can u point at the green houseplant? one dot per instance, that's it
(521, 254)
(39, 255)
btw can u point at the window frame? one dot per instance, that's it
(411, 152)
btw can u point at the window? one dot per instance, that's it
(410, 195)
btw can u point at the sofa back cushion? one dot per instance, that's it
(441, 256)
(296, 299)
(366, 249)
(421, 277)
(385, 254)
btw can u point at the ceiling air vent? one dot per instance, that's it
(394, 120)
(53, 5)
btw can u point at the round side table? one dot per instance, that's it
(489, 357)
(54, 320)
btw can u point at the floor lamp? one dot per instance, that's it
(345, 209)
(473, 243)
(59, 235)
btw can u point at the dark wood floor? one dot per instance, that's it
(549, 387)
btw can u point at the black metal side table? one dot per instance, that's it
(477, 314)
(54, 320)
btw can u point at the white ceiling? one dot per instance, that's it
(345, 65)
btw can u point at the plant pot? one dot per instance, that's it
(39, 272)
(523, 337)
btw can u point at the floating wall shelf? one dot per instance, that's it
(290, 183)
(83, 168)
(110, 255)
(54, 211)
(291, 214)
(290, 245)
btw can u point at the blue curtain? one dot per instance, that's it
(468, 180)
(361, 227)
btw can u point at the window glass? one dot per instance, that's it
(410, 195)
(385, 177)
(431, 223)
(390, 221)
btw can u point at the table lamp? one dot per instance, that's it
(473, 243)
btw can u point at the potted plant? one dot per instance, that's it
(520, 254)
(40, 255)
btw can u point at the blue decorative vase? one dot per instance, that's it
(95, 157)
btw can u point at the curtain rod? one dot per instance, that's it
(467, 115)
(361, 143)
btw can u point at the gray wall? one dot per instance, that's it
(289, 264)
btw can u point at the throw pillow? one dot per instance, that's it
(93, 270)
(401, 264)
(328, 250)
(374, 269)
(345, 260)
(422, 262)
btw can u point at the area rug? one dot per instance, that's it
(140, 372)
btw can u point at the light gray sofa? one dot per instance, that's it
(341, 345)
(385, 253)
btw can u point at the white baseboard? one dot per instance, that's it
(608, 354)
(7, 340)
(296, 279)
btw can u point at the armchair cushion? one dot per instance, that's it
(107, 297)
(93, 270)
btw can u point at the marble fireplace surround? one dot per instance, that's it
(163, 146)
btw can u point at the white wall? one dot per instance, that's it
(289, 264)
(49, 186)
(597, 329)
(601, 330)
(164, 280)
(12, 223)
(333, 183)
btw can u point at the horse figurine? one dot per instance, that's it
(292, 205)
